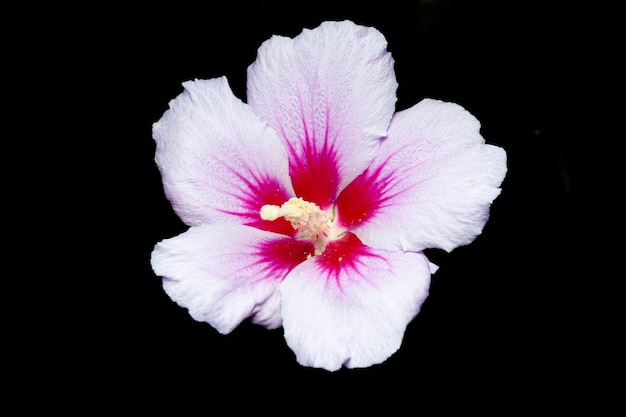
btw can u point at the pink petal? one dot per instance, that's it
(224, 273)
(330, 94)
(431, 185)
(351, 306)
(218, 161)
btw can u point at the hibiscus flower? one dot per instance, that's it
(309, 206)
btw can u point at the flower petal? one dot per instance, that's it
(218, 161)
(224, 273)
(431, 185)
(330, 94)
(351, 305)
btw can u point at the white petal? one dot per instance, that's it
(224, 273)
(431, 185)
(330, 94)
(351, 307)
(218, 161)
(268, 314)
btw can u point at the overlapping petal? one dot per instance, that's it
(218, 161)
(431, 185)
(330, 94)
(350, 306)
(225, 273)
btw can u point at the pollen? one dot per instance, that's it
(307, 218)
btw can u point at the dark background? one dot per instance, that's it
(506, 315)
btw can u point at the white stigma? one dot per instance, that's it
(270, 212)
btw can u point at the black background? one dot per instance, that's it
(503, 325)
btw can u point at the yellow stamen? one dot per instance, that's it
(310, 221)
(307, 218)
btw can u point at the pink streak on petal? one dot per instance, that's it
(431, 184)
(360, 200)
(279, 257)
(343, 254)
(330, 93)
(254, 192)
(217, 271)
(313, 171)
(207, 142)
(351, 305)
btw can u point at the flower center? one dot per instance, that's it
(311, 222)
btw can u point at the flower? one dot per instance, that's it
(310, 206)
